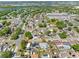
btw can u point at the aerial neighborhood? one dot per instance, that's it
(39, 32)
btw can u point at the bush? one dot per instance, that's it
(6, 23)
(77, 29)
(42, 25)
(70, 24)
(54, 30)
(69, 28)
(48, 32)
(53, 20)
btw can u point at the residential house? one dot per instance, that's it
(43, 45)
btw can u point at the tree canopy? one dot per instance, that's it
(63, 35)
(29, 35)
(23, 44)
(75, 47)
(6, 54)
(4, 31)
(60, 24)
(14, 35)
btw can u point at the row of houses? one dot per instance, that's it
(62, 16)
(65, 49)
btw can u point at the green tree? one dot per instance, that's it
(60, 24)
(14, 35)
(6, 54)
(4, 31)
(23, 44)
(75, 47)
(63, 35)
(29, 35)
